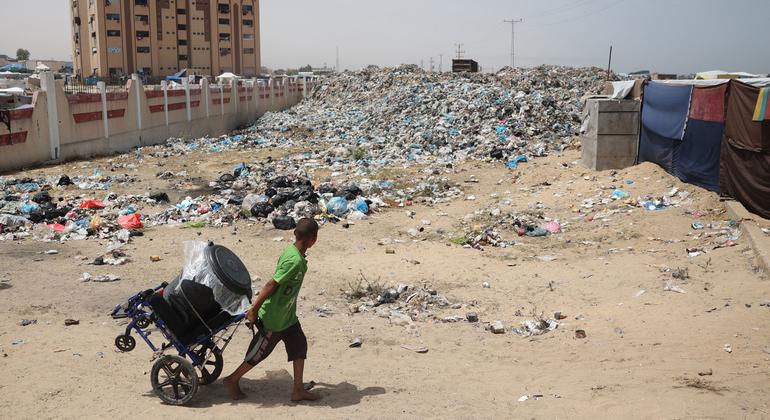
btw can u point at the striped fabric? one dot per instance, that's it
(762, 111)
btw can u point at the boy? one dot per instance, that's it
(275, 314)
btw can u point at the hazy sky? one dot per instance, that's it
(677, 36)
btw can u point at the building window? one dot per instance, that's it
(113, 33)
(142, 34)
(115, 17)
(248, 37)
(143, 50)
(224, 21)
(224, 36)
(140, 2)
(182, 42)
(247, 9)
(223, 8)
(181, 11)
(143, 19)
(182, 58)
(181, 27)
(248, 50)
(224, 51)
(248, 22)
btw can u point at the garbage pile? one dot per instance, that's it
(405, 115)
(401, 305)
(483, 228)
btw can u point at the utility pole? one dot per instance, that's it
(441, 63)
(431, 65)
(460, 51)
(513, 23)
(609, 66)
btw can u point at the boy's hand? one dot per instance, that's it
(251, 316)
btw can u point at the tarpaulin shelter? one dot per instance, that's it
(745, 164)
(703, 132)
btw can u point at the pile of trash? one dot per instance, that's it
(483, 228)
(404, 115)
(401, 305)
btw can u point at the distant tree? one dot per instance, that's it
(279, 71)
(307, 68)
(292, 72)
(22, 54)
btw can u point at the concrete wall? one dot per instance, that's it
(117, 120)
(611, 140)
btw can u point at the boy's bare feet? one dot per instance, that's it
(233, 389)
(303, 395)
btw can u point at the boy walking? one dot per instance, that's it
(275, 314)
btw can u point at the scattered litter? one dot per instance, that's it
(25, 322)
(728, 348)
(416, 349)
(99, 279)
(71, 322)
(534, 327)
(356, 343)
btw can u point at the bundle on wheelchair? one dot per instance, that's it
(194, 315)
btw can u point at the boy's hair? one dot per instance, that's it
(306, 228)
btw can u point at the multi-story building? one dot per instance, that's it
(162, 37)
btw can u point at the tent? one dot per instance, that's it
(704, 133)
(719, 74)
(745, 164)
(682, 131)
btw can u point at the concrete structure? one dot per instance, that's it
(611, 140)
(112, 38)
(60, 127)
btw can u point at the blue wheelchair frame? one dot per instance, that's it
(138, 315)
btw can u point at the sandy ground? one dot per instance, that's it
(640, 359)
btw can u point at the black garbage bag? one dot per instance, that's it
(279, 182)
(42, 197)
(497, 154)
(284, 223)
(327, 189)
(270, 192)
(280, 198)
(64, 180)
(262, 210)
(351, 192)
(160, 197)
(227, 178)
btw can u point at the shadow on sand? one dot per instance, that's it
(274, 390)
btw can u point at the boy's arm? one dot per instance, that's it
(267, 290)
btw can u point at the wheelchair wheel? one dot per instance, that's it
(174, 380)
(125, 343)
(143, 323)
(211, 368)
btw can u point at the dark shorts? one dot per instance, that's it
(265, 341)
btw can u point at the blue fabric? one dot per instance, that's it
(696, 158)
(657, 149)
(666, 109)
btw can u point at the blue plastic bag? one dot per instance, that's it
(360, 205)
(337, 206)
(514, 163)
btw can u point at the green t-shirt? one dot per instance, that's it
(279, 311)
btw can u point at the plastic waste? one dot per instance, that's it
(514, 163)
(131, 221)
(29, 207)
(360, 205)
(92, 204)
(248, 203)
(553, 227)
(620, 195)
(337, 206)
(284, 223)
(262, 210)
(355, 216)
(537, 232)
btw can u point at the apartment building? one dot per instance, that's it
(112, 38)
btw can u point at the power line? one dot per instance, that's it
(513, 23)
(460, 51)
(559, 10)
(590, 13)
